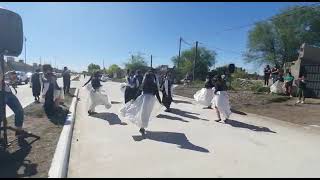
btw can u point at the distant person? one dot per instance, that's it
(166, 91)
(58, 93)
(267, 72)
(66, 80)
(139, 111)
(274, 74)
(288, 80)
(96, 96)
(48, 90)
(302, 86)
(36, 85)
(138, 77)
(130, 87)
(221, 99)
(12, 101)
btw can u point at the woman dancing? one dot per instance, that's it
(96, 96)
(139, 110)
(221, 99)
(205, 95)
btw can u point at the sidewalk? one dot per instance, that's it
(189, 143)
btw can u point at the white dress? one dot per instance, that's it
(97, 97)
(204, 96)
(221, 101)
(141, 110)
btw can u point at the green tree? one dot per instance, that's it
(137, 62)
(113, 69)
(206, 58)
(278, 40)
(93, 67)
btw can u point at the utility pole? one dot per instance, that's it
(179, 51)
(195, 59)
(151, 60)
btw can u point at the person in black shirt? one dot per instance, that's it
(139, 110)
(36, 85)
(96, 97)
(221, 99)
(267, 72)
(166, 91)
(137, 80)
(66, 80)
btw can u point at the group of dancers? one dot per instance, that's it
(141, 96)
(215, 93)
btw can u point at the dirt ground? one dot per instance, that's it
(274, 106)
(32, 157)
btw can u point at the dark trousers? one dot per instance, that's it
(301, 93)
(266, 80)
(66, 86)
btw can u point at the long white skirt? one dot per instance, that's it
(204, 96)
(221, 101)
(141, 110)
(97, 97)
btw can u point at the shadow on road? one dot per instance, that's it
(15, 165)
(186, 114)
(238, 124)
(164, 116)
(115, 102)
(180, 101)
(112, 118)
(238, 112)
(179, 139)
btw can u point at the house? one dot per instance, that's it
(307, 64)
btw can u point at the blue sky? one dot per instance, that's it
(76, 34)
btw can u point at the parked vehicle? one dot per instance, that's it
(22, 78)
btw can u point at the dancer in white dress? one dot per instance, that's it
(97, 95)
(205, 95)
(221, 99)
(140, 110)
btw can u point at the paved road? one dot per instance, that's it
(189, 143)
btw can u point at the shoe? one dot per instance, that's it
(298, 102)
(302, 102)
(167, 110)
(142, 131)
(226, 120)
(218, 120)
(290, 96)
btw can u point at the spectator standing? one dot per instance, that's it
(267, 72)
(66, 80)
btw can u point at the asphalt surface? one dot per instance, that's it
(188, 143)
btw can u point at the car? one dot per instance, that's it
(22, 78)
(105, 78)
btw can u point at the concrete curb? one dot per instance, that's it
(59, 164)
